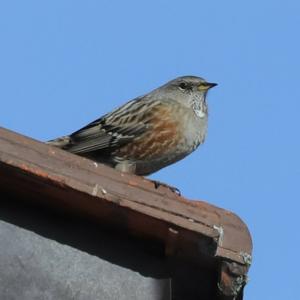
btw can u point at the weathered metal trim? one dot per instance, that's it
(171, 218)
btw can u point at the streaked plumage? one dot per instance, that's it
(149, 132)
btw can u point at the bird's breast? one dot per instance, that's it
(173, 131)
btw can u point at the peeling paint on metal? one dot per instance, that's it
(95, 190)
(221, 234)
(104, 192)
(174, 231)
(132, 183)
(247, 258)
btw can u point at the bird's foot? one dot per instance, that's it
(175, 190)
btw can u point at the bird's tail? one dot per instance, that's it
(60, 142)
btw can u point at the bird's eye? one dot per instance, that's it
(183, 85)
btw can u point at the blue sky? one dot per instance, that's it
(65, 63)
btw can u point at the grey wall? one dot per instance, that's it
(49, 255)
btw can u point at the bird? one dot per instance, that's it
(149, 132)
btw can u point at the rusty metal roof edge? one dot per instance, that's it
(221, 225)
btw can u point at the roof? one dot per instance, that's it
(193, 231)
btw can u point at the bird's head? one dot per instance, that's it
(190, 91)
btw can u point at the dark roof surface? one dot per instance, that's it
(193, 231)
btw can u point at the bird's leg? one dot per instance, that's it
(157, 184)
(126, 167)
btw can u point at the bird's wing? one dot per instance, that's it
(114, 129)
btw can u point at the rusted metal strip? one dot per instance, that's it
(73, 182)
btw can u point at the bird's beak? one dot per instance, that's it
(211, 84)
(205, 86)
